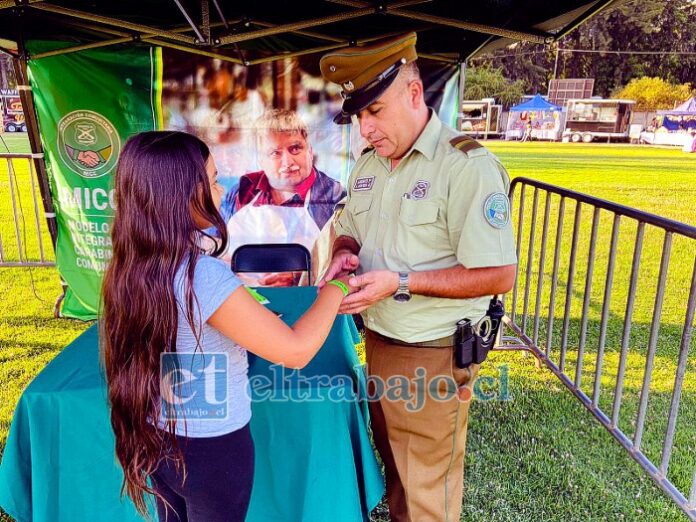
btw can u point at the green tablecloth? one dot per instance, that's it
(314, 460)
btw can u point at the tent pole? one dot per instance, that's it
(20, 68)
(462, 87)
(24, 87)
(199, 35)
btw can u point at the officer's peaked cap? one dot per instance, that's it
(365, 72)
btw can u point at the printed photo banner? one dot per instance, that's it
(220, 102)
(89, 103)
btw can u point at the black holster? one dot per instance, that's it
(473, 342)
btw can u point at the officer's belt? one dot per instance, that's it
(443, 342)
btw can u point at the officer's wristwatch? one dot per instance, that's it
(402, 294)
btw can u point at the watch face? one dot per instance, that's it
(402, 297)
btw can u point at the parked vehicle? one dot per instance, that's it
(590, 118)
(480, 118)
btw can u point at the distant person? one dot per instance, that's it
(527, 136)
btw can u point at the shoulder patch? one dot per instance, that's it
(367, 149)
(465, 144)
(496, 210)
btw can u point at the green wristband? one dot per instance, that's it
(340, 284)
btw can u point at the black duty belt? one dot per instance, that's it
(443, 342)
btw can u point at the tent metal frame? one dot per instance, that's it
(178, 39)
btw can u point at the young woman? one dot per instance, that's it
(161, 295)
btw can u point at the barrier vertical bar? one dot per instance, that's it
(530, 260)
(10, 173)
(605, 309)
(586, 301)
(2, 251)
(628, 318)
(542, 266)
(554, 276)
(652, 344)
(569, 285)
(520, 226)
(20, 67)
(37, 220)
(679, 378)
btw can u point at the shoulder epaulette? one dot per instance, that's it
(465, 143)
(367, 149)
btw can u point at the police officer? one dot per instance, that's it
(426, 228)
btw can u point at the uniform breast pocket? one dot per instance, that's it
(419, 232)
(359, 207)
(415, 213)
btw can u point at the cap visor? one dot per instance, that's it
(361, 99)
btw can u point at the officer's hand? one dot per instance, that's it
(343, 263)
(374, 286)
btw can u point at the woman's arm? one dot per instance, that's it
(253, 326)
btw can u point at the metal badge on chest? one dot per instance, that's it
(420, 189)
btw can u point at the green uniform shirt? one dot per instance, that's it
(438, 208)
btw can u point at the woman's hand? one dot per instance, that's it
(346, 281)
(253, 326)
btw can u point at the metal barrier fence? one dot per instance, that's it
(24, 236)
(580, 332)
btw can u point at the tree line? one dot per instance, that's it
(631, 29)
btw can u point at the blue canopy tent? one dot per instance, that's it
(537, 103)
(544, 116)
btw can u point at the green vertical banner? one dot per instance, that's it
(88, 104)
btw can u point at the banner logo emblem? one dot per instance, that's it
(88, 143)
(86, 134)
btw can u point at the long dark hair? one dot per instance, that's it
(161, 180)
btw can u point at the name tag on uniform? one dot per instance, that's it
(363, 184)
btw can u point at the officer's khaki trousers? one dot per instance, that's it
(422, 450)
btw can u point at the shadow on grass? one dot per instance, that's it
(540, 456)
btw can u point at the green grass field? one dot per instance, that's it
(538, 456)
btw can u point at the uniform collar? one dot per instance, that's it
(427, 141)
